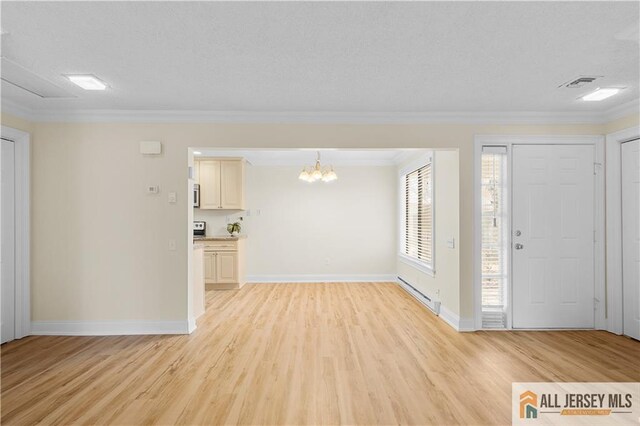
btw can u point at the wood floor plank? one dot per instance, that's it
(294, 354)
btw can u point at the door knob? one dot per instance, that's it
(518, 233)
(519, 246)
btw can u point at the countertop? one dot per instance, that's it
(219, 238)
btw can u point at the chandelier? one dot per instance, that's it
(317, 172)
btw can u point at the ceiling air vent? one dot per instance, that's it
(581, 81)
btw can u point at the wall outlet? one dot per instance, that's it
(451, 243)
(327, 261)
(173, 197)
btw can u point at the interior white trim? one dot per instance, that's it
(191, 325)
(196, 116)
(22, 144)
(614, 226)
(321, 278)
(599, 218)
(620, 111)
(108, 328)
(454, 320)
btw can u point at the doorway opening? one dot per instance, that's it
(364, 219)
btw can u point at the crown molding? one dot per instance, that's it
(621, 111)
(17, 110)
(186, 116)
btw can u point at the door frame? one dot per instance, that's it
(22, 149)
(614, 143)
(598, 141)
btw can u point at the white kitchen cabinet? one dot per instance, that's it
(224, 264)
(209, 178)
(221, 184)
(227, 267)
(209, 267)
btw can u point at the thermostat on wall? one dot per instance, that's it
(150, 148)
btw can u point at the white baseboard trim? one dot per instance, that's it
(109, 328)
(327, 278)
(192, 325)
(459, 324)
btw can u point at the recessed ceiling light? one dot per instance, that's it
(601, 93)
(87, 82)
(197, 152)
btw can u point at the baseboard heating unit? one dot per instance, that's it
(427, 301)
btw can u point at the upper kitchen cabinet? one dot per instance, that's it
(221, 184)
(232, 184)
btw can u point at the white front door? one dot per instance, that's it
(631, 237)
(7, 247)
(553, 236)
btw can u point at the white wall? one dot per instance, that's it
(444, 284)
(350, 222)
(99, 244)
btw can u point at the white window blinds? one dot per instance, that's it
(418, 215)
(494, 237)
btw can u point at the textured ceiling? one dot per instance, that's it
(325, 56)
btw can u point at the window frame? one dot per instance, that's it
(422, 265)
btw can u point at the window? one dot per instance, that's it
(495, 237)
(417, 215)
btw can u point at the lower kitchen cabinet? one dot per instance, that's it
(223, 264)
(227, 267)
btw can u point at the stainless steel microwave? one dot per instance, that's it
(196, 195)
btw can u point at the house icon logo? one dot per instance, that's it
(528, 405)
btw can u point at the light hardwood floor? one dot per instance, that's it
(300, 354)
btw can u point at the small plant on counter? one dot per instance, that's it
(233, 228)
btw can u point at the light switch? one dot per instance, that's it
(173, 197)
(451, 243)
(172, 244)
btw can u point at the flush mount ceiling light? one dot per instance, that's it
(317, 172)
(601, 93)
(87, 81)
